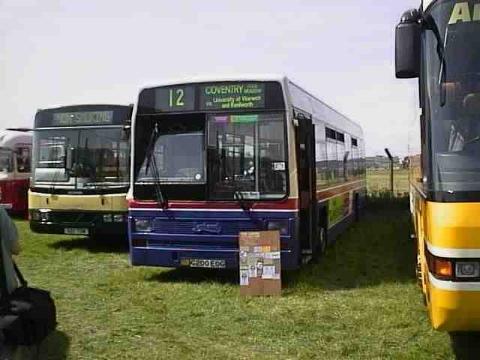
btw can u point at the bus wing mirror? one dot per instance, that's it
(471, 104)
(126, 131)
(407, 45)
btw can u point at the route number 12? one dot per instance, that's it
(176, 97)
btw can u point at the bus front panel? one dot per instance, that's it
(81, 170)
(210, 161)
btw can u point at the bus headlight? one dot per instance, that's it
(118, 218)
(467, 269)
(44, 216)
(280, 225)
(35, 215)
(107, 218)
(143, 225)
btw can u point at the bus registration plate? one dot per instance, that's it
(205, 263)
(76, 231)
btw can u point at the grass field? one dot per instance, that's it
(360, 302)
(379, 181)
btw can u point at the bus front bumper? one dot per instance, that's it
(78, 223)
(181, 257)
(456, 308)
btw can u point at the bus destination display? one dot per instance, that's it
(232, 96)
(83, 118)
(216, 96)
(175, 98)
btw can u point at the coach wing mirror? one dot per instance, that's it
(407, 45)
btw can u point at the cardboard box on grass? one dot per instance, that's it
(260, 272)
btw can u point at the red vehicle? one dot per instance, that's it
(15, 169)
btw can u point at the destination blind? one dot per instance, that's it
(83, 118)
(232, 96)
(222, 96)
(83, 115)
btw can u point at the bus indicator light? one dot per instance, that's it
(439, 267)
(442, 268)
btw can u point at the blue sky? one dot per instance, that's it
(68, 52)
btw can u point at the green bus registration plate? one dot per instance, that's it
(76, 231)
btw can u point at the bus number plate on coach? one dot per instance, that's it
(204, 263)
(76, 231)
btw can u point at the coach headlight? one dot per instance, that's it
(280, 225)
(143, 225)
(467, 269)
(107, 218)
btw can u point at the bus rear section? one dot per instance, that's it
(15, 169)
(81, 170)
(213, 159)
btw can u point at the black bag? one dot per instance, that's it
(27, 315)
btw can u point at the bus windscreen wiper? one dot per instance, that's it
(152, 163)
(238, 195)
(441, 46)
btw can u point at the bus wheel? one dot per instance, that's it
(321, 247)
(322, 236)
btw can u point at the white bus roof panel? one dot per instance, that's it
(305, 101)
(10, 138)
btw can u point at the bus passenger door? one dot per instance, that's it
(305, 149)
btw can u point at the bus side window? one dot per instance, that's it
(23, 155)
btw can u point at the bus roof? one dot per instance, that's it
(219, 78)
(55, 107)
(10, 138)
(309, 103)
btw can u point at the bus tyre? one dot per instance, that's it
(321, 246)
(322, 235)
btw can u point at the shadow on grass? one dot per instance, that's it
(466, 345)
(55, 347)
(376, 250)
(196, 276)
(93, 245)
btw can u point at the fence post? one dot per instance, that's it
(391, 169)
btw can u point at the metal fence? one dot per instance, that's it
(379, 182)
